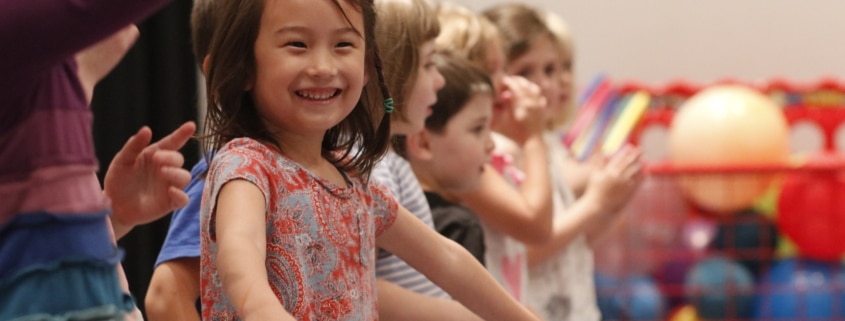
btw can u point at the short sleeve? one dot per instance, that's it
(383, 206)
(243, 159)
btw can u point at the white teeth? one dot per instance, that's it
(317, 94)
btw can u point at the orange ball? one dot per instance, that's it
(684, 313)
(724, 126)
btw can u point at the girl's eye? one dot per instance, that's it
(429, 65)
(297, 44)
(343, 44)
(478, 129)
(550, 69)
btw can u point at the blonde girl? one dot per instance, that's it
(561, 270)
(405, 35)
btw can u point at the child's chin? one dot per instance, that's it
(472, 184)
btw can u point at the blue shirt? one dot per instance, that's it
(183, 236)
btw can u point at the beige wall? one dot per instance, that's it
(705, 40)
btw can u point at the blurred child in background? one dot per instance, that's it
(561, 270)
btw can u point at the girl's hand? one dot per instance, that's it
(614, 183)
(144, 182)
(524, 109)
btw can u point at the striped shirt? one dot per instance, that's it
(395, 172)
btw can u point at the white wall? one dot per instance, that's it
(706, 40)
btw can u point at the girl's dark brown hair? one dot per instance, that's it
(353, 145)
(202, 27)
(519, 25)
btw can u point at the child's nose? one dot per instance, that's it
(489, 145)
(322, 65)
(439, 81)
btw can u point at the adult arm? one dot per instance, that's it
(98, 60)
(37, 34)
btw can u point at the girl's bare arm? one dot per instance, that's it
(241, 252)
(451, 267)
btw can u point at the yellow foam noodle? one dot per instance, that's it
(630, 115)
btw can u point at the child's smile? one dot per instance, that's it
(309, 65)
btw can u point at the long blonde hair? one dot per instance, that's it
(560, 30)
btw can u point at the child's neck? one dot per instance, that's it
(309, 155)
(312, 159)
(429, 184)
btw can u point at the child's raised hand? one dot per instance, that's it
(145, 181)
(525, 108)
(615, 181)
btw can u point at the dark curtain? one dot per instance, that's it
(154, 85)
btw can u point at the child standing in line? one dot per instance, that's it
(290, 221)
(514, 206)
(175, 283)
(451, 153)
(561, 270)
(405, 33)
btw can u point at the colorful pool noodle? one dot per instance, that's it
(591, 88)
(595, 101)
(599, 129)
(624, 124)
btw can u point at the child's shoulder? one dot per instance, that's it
(243, 145)
(248, 152)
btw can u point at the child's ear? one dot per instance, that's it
(419, 146)
(367, 77)
(205, 62)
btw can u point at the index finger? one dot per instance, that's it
(178, 137)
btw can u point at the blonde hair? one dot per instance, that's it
(464, 33)
(403, 27)
(560, 30)
(519, 26)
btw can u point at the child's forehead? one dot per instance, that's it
(312, 11)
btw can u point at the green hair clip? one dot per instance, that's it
(388, 105)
